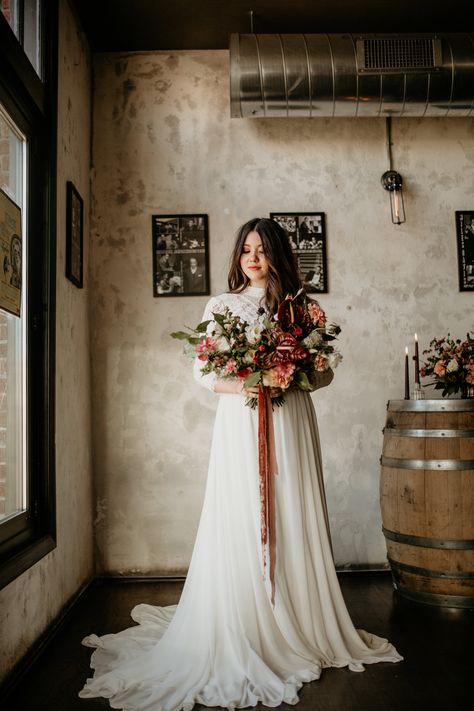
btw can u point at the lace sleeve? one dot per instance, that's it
(208, 380)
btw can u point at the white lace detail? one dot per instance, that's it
(246, 305)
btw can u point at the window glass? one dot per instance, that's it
(24, 17)
(13, 494)
(32, 34)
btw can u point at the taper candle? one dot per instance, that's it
(407, 376)
(417, 361)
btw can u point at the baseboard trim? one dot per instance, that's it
(132, 578)
(363, 568)
(25, 663)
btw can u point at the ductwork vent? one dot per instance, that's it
(352, 75)
(399, 54)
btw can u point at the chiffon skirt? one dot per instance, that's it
(224, 644)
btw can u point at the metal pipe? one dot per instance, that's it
(352, 75)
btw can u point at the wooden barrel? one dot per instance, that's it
(427, 499)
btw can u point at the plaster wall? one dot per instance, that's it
(32, 601)
(164, 143)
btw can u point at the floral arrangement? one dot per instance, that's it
(284, 351)
(451, 364)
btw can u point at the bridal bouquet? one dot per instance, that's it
(451, 364)
(284, 351)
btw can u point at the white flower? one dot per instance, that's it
(452, 366)
(253, 333)
(334, 359)
(222, 344)
(249, 356)
(313, 339)
(216, 329)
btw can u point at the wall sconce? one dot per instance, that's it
(393, 182)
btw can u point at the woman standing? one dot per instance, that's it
(225, 643)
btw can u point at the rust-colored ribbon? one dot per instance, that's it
(267, 466)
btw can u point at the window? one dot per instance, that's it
(27, 181)
(24, 17)
(13, 495)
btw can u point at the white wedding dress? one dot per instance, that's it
(224, 644)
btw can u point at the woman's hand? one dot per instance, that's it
(235, 386)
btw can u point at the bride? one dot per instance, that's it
(225, 643)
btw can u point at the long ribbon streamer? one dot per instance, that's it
(268, 469)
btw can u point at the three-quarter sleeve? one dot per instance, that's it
(208, 380)
(320, 379)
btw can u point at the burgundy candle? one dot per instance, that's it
(417, 361)
(407, 376)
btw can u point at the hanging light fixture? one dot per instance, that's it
(393, 182)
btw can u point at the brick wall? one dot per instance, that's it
(5, 7)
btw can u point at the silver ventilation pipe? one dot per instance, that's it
(352, 75)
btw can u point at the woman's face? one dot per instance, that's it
(253, 261)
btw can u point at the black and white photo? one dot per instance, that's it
(307, 234)
(74, 235)
(180, 255)
(465, 241)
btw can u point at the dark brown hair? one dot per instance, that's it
(282, 277)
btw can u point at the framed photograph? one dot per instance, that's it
(307, 233)
(180, 255)
(465, 240)
(10, 251)
(74, 235)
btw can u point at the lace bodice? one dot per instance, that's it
(246, 305)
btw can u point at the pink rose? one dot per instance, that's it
(318, 316)
(280, 376)
(440, 368)
(321, 363)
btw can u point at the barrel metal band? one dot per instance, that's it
(403, 432)
(450, 464)
(464, 601)
(424, 542)
(428, 572)
(461, 405)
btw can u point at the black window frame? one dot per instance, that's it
(32, 104)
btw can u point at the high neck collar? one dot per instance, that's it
(254, 290)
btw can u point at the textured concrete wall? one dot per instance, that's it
(164, 143)
(29, 603)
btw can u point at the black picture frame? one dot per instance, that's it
(465, 243)
(307, 234)
(74, 235)
(180, 247)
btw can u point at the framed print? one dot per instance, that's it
(465, 240)
(180, 255)
(11, 255)
(74, 235)
(307, 233)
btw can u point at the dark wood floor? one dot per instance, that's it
(437, 674)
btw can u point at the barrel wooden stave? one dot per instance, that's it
(435, 504)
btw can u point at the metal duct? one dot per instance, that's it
(352, 75)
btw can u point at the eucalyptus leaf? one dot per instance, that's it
(219, 318)
(202, 327)
(301, 380)
(252, 379)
